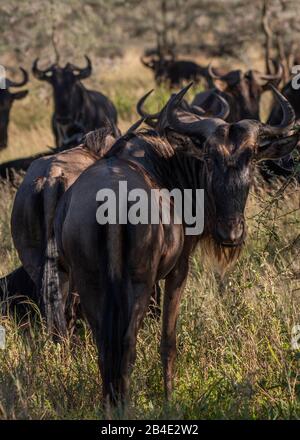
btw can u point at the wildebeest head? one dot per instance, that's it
(6, 100)
(243, 90)
(229, 152)
(159, 65)
(63, 80)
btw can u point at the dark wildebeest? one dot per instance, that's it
(6, 101)
(241, 90)
(32, 218)
(175, 71)
(73, 103)
(115, 266)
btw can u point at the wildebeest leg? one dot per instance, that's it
(174, 287)
(141, 292)
(54, 288)
(115, 376)
(154, 307)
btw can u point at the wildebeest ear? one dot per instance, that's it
(19, 95)
(278, 148)
(220, 84)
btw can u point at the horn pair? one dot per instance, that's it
(45, 74)
(222, 113)
(204, 125)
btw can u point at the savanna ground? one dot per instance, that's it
(235, 359)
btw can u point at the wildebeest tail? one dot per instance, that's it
(50, 288)
(51, 291)
(116, 312)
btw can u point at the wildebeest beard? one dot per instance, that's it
(176, 161)
(218, 257)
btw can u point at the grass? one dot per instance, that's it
(235, 359)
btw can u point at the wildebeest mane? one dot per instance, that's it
(100, 141)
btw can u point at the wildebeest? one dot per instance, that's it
(73, 103)
(174, 71)
(242, 90)
(7, 99)
(32, 218)
(115, 266)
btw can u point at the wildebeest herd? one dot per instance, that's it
(109, 274)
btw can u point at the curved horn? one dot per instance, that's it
(277, 75)
(10, 83)
(211, 73)
(135, 126)
(141, 111)
(84, 72)
(288, 118)
(224, 107)
(41, 74)
(197, 110)
(189, 123)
